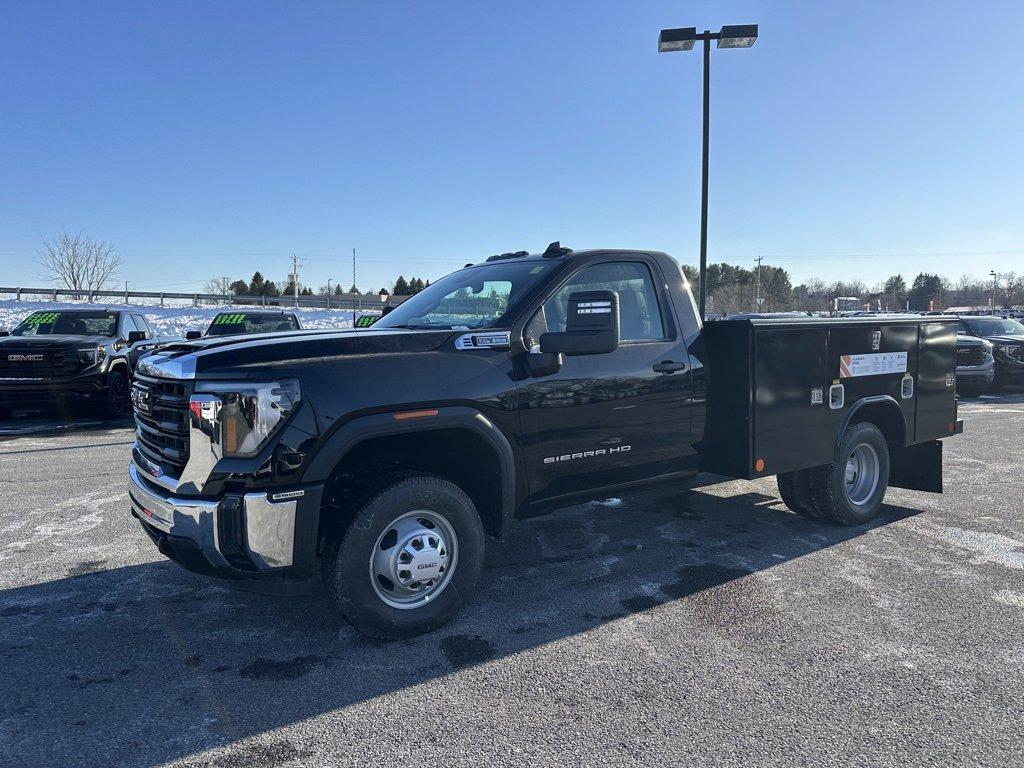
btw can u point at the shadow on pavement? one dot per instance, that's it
(55, 421)
(148, 664)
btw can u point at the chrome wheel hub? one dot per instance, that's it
(413, 559)
(862, 471)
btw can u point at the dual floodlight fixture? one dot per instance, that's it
(683, 38)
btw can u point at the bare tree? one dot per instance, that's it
(218, 285)
(78, 261)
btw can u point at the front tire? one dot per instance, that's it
(851, 490)
(409, 560)
(117, 399)
(971, 390)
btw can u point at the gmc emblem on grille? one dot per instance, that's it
(141, 400)
(24, 358)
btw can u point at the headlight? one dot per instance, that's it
(1010, 350)
(89, 357)
(241, 416)
(987, 345)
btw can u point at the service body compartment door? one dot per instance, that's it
(936, 381)
(792, 420)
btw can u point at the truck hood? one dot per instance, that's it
(1007, 338)
(968, 342)
(224, 356)
(12, 344)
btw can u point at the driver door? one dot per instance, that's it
(613, 418)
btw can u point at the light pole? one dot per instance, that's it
(682, 39)
(995, 284)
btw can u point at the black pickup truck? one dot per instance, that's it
(68, 356)
(236, 323)
(382, 457)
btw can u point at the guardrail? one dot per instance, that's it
(347, 301)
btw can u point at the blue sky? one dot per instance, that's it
(209, 139)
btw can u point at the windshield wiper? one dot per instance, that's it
(413, 327)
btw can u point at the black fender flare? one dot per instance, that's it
(349, 435)
(887, 400)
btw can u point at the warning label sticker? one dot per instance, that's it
(874, 364)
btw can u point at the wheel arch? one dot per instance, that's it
(884, 412)
(456, 442)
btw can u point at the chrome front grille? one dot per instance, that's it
(970, 356)
(161, 421)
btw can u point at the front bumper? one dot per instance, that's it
(976, 374)
(28, 393)
(235, 536)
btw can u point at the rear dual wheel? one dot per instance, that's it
(851, 489)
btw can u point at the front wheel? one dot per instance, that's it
(408, 561)
(850, 490)
(971, 390)
(117, 399)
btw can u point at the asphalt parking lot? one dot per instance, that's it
(704, 627)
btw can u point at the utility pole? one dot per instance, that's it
(757, 299)
(328, 293)
(295, 278)
(353, 283)
(126, 291)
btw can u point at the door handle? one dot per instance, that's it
(669, 366)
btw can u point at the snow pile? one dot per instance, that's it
(174, 321)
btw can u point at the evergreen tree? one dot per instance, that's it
(925, 289)
(239, 288)
(401, 287)
(894, 291)
(337, 290)
(257, 285)
(269, 289)
(353, 289)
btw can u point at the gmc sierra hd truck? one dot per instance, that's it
(382, 457)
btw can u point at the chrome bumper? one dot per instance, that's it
(269, 526)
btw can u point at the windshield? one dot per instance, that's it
(992, 326)
(74, 323)
(478, 297)
(229, 323)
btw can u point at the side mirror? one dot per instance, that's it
(193, 335)
(134, 336)
(591, 325)
(5, 333)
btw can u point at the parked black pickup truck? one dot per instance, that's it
(72, 356)
(1006, 336)
(234, 323)
(383, 456)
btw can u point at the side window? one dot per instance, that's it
(639, 314)
(127, 325)
(142, 325)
